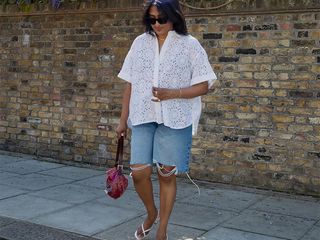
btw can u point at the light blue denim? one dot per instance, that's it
(156, 143)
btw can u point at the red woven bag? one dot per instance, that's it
(116, 182)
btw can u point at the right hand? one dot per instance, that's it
(121, 130)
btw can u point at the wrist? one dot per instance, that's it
(177, 93)
(123, 121)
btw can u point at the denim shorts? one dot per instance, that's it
(156, 143)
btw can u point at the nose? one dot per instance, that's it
(157, 23)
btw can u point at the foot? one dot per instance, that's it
(163, 237)
(146, 226)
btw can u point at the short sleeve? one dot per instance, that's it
(201, 68)
(126, 70)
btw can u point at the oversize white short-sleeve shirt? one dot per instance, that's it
(182, 62)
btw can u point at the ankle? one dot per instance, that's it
(153, 212)
(153, 215)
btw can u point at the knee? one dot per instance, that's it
(140, 172)
(166, 173)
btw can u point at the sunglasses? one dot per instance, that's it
(162, 20)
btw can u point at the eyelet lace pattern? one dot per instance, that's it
(182, 62)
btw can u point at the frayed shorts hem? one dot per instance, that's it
(153, 143)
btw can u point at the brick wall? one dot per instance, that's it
(60, 97)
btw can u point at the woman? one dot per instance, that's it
(167, 71)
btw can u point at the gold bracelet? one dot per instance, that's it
(180, 92)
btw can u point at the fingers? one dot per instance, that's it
(155, 94)
(124, 134)
(155, 99)
(121, 131)
(155, 91)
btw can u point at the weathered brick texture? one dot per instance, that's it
(60, 96)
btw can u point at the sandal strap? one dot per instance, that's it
(145, 231)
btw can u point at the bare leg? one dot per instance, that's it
(168, 189)
(141, 175)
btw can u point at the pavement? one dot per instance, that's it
(43, 199)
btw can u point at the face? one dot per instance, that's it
(160, 29)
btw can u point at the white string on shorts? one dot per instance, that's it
(138, 168)
(194, 183)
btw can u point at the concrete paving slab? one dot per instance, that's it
(26, 206)
(229, 200)
(4, 159)
(287, 206)
(28, 166)
(313, 234)
(184, 190)
(70, 193)
(73, 203)
(129, 200)
(75, 173)
(275, 225)
(29, 231)
(126, 231)
(4, 175)
(6, 191)
(34, 181)
(96, 182)
(199, 217)
(221, 233)
(87, 219)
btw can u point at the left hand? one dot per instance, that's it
(164, 93)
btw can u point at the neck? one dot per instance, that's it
(162, 37)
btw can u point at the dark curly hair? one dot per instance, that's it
(170, 9)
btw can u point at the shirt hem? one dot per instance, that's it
(136, 124)
(210, 78)
(124, 76)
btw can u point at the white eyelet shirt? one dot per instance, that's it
(181, 63)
